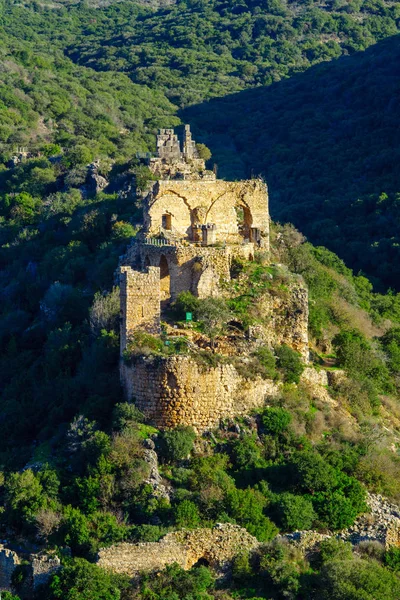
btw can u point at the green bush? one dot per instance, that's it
(289, 363)
(81, 580)
(184, 303)
(392, 559)
(187, 514)
(294, 512)
(176, 444)
(276, 420)
(333, 549)
(357, 579)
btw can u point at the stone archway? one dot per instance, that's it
(244, 220)
(165, 280)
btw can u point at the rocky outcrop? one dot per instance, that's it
(154, 479)
(285, 313)
(217, 547)
(95, 182)
(381, 524)
(8, 561)
(40, 568)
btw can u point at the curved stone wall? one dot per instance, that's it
(177, 390)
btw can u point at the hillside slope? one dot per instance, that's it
(327, 142)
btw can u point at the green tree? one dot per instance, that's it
(176, 444)
(289, 362)
(81, 580)
(295, 512)
(187, 514)
(204, 152)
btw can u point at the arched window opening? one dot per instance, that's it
(166, 221)
(244, 220)
(202, 562)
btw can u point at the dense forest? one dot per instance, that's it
(79, 84)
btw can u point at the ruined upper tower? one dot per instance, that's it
(176, 160)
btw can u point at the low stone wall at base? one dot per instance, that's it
(218, 546)
(178, 391)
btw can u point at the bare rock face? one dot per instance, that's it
(217, 546)
(8, 561)
(287, 318)
(154, 479)
(95, 183)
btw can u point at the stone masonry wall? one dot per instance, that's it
(194, 268)
(201, 202)
(218, 546)
(177, 390)
(139, 302)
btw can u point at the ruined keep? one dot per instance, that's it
(194, 226)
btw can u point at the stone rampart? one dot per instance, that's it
(178, 390)
(218, 546)
(193, 268)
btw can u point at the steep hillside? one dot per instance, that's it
(328, 143)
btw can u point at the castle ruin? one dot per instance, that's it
(194, 227)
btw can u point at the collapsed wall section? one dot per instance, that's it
(178, 390)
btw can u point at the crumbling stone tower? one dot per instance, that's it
(140, 302)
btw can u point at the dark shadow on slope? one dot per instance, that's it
(328, 142)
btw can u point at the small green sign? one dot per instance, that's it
(189, 316)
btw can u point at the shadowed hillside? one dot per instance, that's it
(327, 141)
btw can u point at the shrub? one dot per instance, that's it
(204, 151)
(392, 559)
(176, 444)
(247, 508)
(294, 512)
(276, 420)
(80, 580)
(357, 579)
(241, 568)
(267, 361)
(246, 453)
(289, 362)
(187, 514)
(125, 414)
(333, 549)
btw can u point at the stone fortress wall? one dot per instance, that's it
(217, 546)
(197, 269)
(176, 390)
